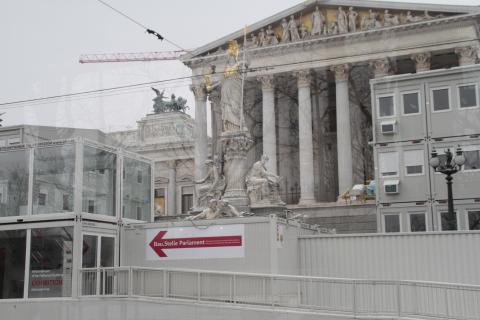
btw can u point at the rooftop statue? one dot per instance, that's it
(352, 20)
(293, 28)
(342, 21)
(174, 105)
(318, 23)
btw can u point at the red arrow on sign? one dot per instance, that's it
(158, 244)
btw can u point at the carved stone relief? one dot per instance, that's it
(466, 55)
(422, 61)
(329, 21)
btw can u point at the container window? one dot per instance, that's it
(388, 163)
(414, 161)
(417, 222)
(441, 99)
(392, 222)
(386, 106)
(474, 220)
(410, 103)
(468, 96)
(449, 221)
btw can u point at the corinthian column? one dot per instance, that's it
(268, 112)
(381, 67)
(171, 192)
(344, 135)
(466, 56)
(305, 137)
(422, 61)
(216, 121)
(201, 141)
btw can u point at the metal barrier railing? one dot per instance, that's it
(350, 296)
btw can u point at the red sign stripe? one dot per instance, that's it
(158, 244)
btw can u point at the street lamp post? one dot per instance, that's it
(449, 166)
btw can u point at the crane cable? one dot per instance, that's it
(148, 30)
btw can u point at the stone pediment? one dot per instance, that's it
(320, 19)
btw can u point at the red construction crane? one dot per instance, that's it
(131, 57)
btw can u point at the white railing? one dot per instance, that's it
(349, 296)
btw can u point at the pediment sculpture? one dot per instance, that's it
(328, 21)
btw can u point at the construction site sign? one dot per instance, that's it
(220, 241)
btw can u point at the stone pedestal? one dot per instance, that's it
(235, 147)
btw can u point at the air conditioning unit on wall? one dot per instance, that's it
(388, 127)
(391, 186)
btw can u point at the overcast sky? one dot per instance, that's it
(42, 40)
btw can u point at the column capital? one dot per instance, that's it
(214, 96)
(341, 72)
(172, 164)
(422, 61)
(466, 55)
(304, 77)
(267, 82)
(381, 67)
(199, 91)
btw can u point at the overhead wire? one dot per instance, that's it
(270, 67)
(148, 30)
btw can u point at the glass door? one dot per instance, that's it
(98, 251)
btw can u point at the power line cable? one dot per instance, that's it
(247, 70)
(148, 30)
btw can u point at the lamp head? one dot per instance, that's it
(434, 160)
(459, 157)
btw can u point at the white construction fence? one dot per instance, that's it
(370, 298)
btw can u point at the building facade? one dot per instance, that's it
(307, 98)
(168, 139)
(414, 115)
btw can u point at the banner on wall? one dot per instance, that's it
(224, 241)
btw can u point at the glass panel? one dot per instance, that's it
(441, 99)
(187, 202)
(159, 202)
(468, 96)
(474, 220)
(53, 179)
(89, 251)
(472, 160)
(89, 260)
(410, 103)
(414, 169)
(392, 223)
(449, 221)
(12, 263)
(13, 183)
(51, 262)
(386, 108)
(136, 190)
(107, 252)
(99, 181)
(417, 222)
